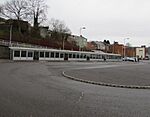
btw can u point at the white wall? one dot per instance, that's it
(140, 52)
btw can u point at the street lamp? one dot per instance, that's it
(81, 30)
(10, 38)
(125, 46)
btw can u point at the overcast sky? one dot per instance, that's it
(105, 19)
(113, 20)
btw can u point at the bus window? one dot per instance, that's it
(30, 54)
(52, 54)
(74, 55)
(70, 55)
(23, 53)
(81, 56)
(61, 55)
(42, 54)
(16, 53)
(91, 56)
(94, 56)
(97, 56)
(57, 55)
(47, 54)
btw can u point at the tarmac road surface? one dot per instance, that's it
(130, 75)
(37, 89)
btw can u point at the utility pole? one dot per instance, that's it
(125, 46)
(81, 37)
(10, 35)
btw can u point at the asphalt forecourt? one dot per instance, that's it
(135, 76)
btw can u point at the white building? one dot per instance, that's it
(141, 52)
(100, 45)
(44, 31)
(80, 41)
(148, 52)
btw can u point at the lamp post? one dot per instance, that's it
(10, 34)
(125, 46)
(82, 28)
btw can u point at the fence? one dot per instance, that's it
(18, 44)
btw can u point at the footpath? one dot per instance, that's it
(5, 60)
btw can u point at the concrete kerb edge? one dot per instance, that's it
(104, 84)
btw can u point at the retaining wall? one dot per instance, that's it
(4, 52)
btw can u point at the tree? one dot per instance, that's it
(30, 10)
(14, 9)
(105, 41)
(60, 31)
(128, 45)
(36, 11)
(0, 9)
(36, 15)
(108, 42)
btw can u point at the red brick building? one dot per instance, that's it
(91, 46)
(117, 48)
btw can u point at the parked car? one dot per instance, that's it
(146, 58)
(133, 59)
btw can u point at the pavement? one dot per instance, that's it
(5, 61)
(37, 89)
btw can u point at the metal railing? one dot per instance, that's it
(19, 44)
(3, 42)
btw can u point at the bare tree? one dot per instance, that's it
(60, 31)
(31, 10)
(0, 9)
(59, 26)
(15, 9)
(128, 45)
(36, 11)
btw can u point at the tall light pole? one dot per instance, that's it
(81, 28)
(10, 34)
(125, 46)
